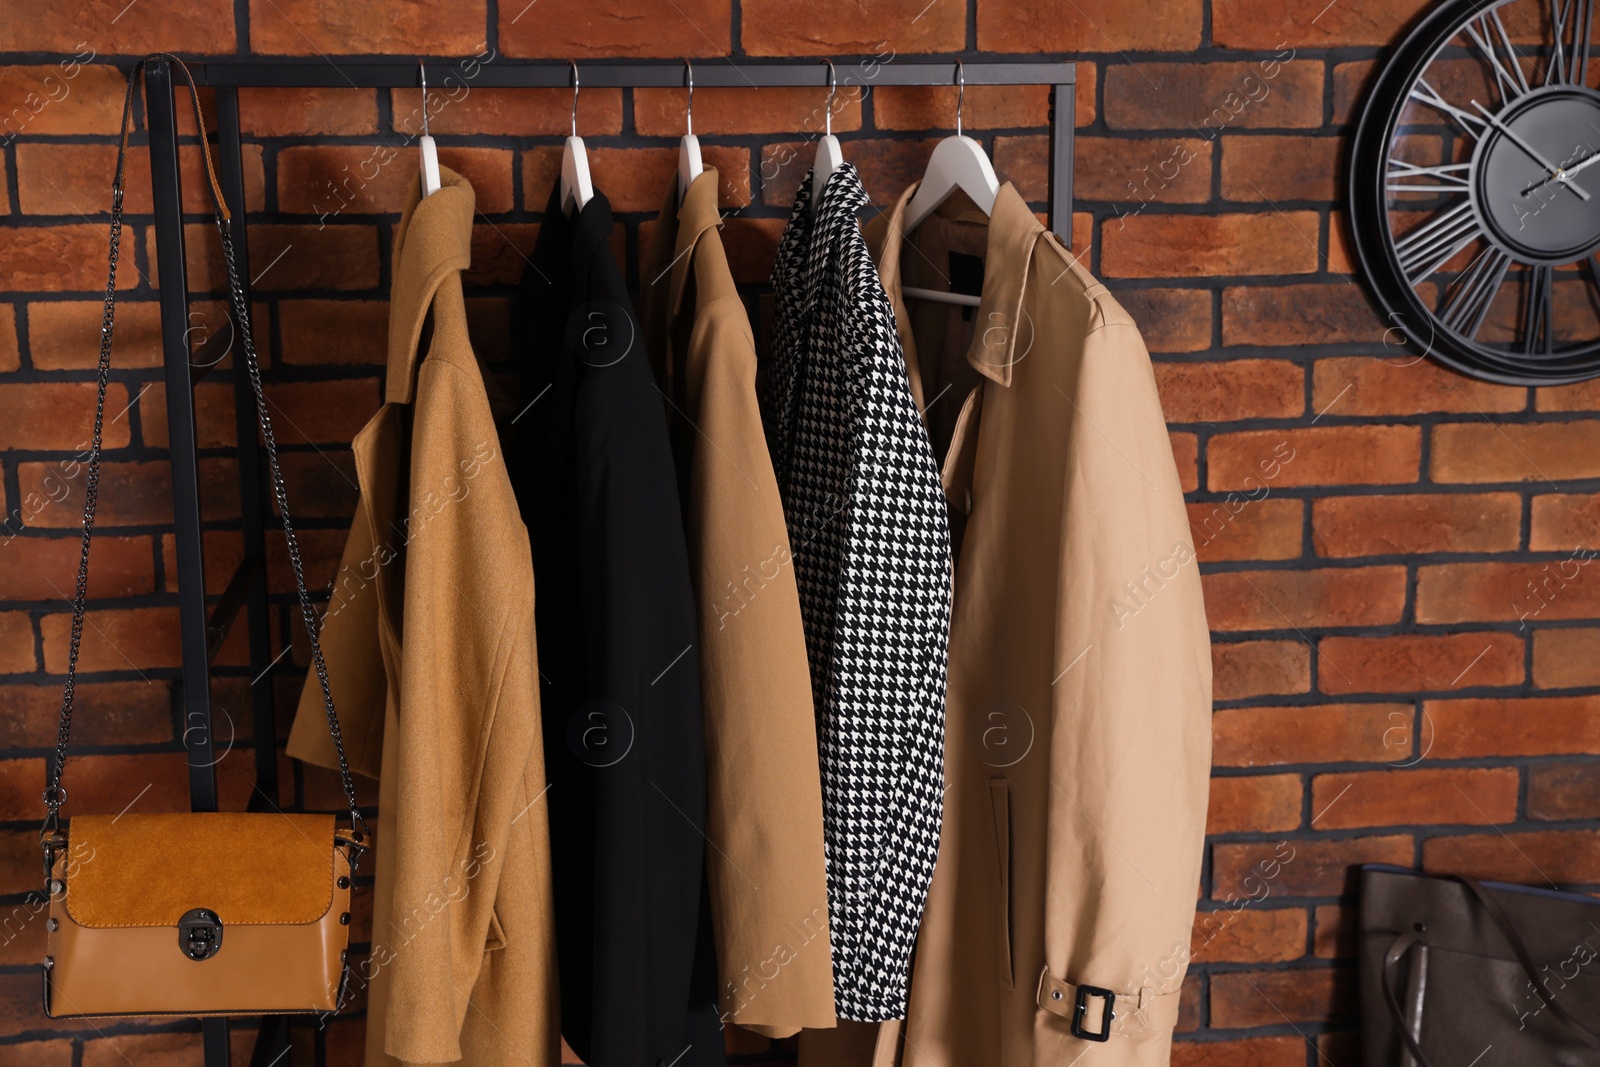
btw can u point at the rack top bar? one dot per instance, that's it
(449, 72)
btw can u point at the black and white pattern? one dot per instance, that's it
(871, 545)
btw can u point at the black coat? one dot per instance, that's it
(618, 663)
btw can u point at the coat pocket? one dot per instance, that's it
(1000, 812)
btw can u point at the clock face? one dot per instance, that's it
(1475, 189)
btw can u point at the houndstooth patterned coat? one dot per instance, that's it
(871, 544)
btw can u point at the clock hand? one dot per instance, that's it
(1554, 171)
(1588, 161)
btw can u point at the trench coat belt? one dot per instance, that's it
(1131, 1013)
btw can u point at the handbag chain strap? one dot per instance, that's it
(54, 795)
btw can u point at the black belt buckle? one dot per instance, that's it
(1081, 1008)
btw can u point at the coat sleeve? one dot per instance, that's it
(468, 723)
(1130, 748)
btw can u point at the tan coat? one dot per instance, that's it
(429, 642)
(1077, 745)
(768, 883)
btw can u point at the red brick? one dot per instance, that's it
(1511, 452)
(1244, 1052)
(635, 179)
(1262, 24)
(75, 180)
(121, 639)
(1185, 454)
(1254, 803)
(1314, 313)
(1314, 455)
(1324, 733)
(1563, 791)
(1335, 933)
(131, 494)
(331, 180)
(56, 1053)
(1230, 390)
(1564, 659)
(1564, 857)
(10, 358)
(1248, 935)
(285, 256)
(1272, 998)
(1409, 663)
(319, 412)
(933, 107)
(791, 110)
(1562, 521)
(59, 415)
(1523, 726)
(1170, 320)
(1300, 867)
(1493, 592)
(1284, 599)
(1242, 528)
(500, 251)
(65, 335)
(1478, 797)
(1207, 98)
(616, 28)
(1583, 396)
(206, 26)
(306, 110)
(16, 643)
(213, 415)
(306, 27)
(154, 1050)
(65, 258)
(46, 568)
(59, 98)
(1363, 385)
(1262, 167)
(751, 245)
(1242, 669)
(1087, 26)
(879, 28)
(476, 110)
(348, 332)
(1346, 526)
(106, 713)
(1152, 245)
(1169, 171)
(1351, 81)
(887, 167)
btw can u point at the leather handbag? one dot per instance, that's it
(1451, 968)
(200, 913)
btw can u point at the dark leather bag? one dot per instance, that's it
(1456, 972)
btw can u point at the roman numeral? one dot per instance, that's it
(1414, 178)
(1428, 247)
(1489, 34)
(1571, 22)
(1473, 124)
(1468, 303)
(1538, 328)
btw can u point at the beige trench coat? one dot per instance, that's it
(765, 868)
(429, 642)
(1077, 745)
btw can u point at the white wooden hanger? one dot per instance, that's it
(957, 162)
(829, 156)
(689, 166)
(430, 153)
(576, 188)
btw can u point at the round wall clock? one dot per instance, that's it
(1475, 189)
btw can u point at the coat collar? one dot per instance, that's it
(433, 240)
(1013, 229)
(697, 214)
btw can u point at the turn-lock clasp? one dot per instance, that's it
(200, 933)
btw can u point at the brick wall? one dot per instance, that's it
(1404, 639)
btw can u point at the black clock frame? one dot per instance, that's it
(1381, 112)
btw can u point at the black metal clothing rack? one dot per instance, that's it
(203, 632)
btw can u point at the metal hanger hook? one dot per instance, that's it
(688, 120)
(573, 63)
(833, 88)
(961, 94)
(422, 69)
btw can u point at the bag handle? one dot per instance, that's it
(54, 795)
(1519, 948)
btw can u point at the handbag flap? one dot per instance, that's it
(251, 868)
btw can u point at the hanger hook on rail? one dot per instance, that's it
(688, 75)
(961, 94)
(422, 69)
(574, 64)
(833, 88)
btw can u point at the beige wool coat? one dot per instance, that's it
(429, 642)
(765, 867)
(1077, 742)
